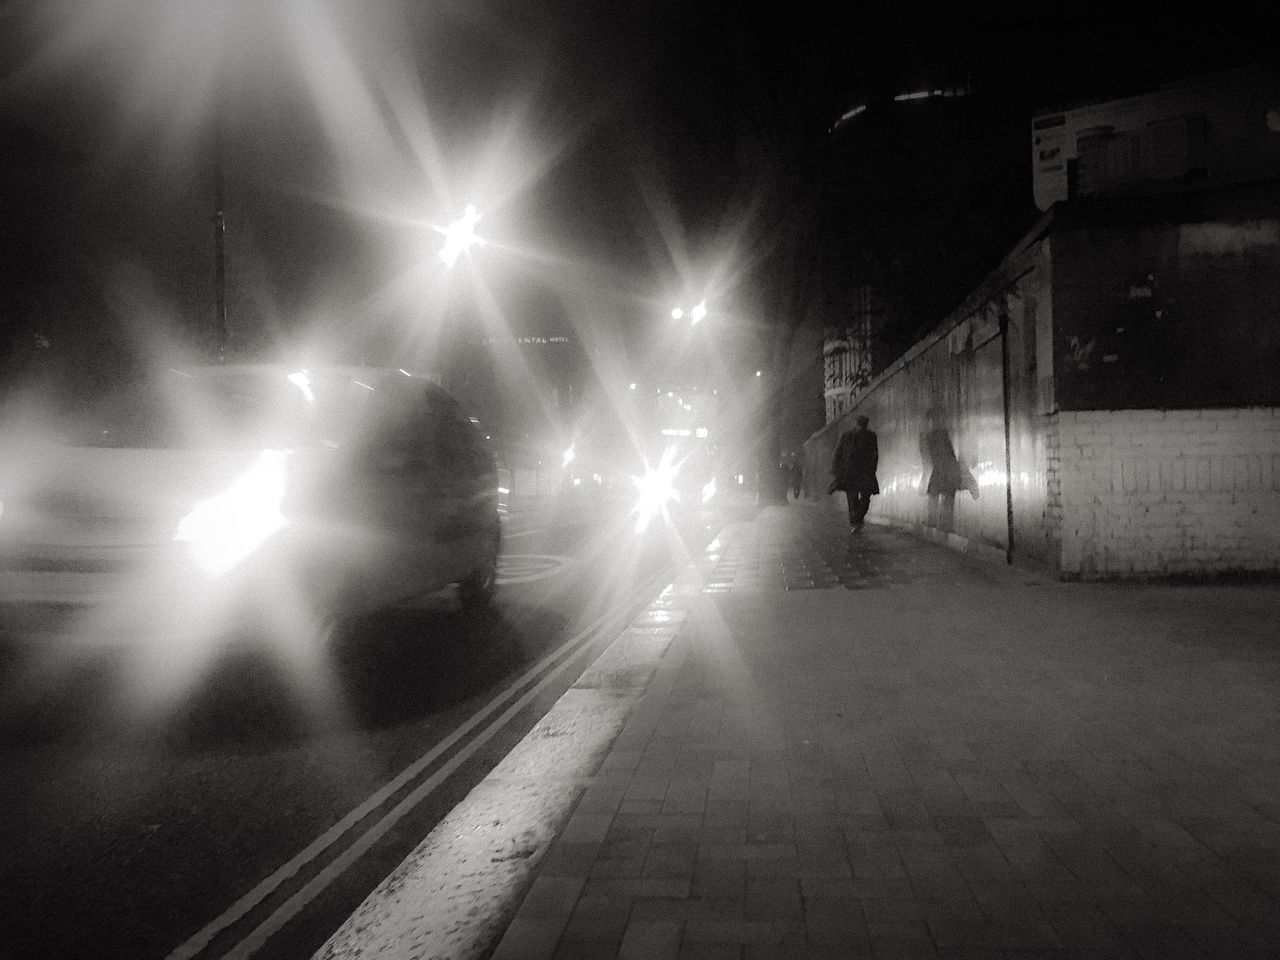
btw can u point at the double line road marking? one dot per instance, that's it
(564, 653)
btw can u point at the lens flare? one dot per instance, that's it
(460, 236)
(709, 490)
(223, 530)
(656, 489)
(303, 382)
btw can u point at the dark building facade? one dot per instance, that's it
(1107, 402)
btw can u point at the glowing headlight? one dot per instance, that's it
(225, 529)
(656, 489)
(303, 382)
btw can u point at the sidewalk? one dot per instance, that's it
(879, 748)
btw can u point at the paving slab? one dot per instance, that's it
(873, 746)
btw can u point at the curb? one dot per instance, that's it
(455, 894)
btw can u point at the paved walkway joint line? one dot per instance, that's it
(874, 747)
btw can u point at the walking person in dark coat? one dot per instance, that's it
(854, 468)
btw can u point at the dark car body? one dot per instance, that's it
(198, 492)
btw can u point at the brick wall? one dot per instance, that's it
(1163, 492)
(1053, 489)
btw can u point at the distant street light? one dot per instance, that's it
(459, 236)
(697, 313)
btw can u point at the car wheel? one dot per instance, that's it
(478, 587)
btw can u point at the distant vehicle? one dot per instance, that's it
(591, 475)
(207, 494)
(695, 480)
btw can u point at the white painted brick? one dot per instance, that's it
(1240, 472)
(1117, 476)
(1188, 490)
(1202, 473)
(1253, 480)
(1216, 474)
(1238, 433)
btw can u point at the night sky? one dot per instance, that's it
(638, 141)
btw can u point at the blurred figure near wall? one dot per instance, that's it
(947, 475)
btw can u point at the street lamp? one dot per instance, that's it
(459, 236)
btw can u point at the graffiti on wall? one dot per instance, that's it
(1167, 316)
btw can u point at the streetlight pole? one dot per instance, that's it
(219, 245)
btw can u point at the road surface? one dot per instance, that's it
(249, 808)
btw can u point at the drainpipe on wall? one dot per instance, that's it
(1008, 458)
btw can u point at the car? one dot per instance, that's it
(695, 480)
(197, 496)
